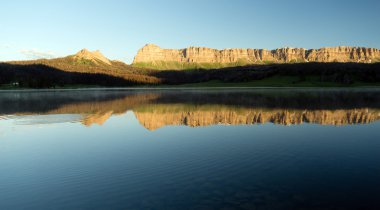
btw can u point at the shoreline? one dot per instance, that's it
(185, 88)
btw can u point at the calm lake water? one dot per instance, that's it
(190, 149)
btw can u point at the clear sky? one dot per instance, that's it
(46, 28)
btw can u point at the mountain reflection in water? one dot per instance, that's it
(159, 108)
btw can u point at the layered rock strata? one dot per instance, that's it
(153, 56)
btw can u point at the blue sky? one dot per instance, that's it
(45, 28)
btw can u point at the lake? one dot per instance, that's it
(190, 149)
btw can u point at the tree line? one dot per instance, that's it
(40, 75)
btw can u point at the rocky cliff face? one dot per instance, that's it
(155, 57)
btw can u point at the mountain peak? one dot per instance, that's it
(94, 56)
(84, 50)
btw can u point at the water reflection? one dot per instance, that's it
(122, 165)
(160, 108)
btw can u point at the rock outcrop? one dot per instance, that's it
(95, 56)
(153, 56)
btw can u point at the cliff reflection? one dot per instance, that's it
(156, 109)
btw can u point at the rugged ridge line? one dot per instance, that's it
(153, 56)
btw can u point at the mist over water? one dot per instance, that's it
(190, 149)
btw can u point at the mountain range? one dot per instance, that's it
(155, 66)
(154, 57)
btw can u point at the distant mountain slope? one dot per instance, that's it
(94, 63)
(152, 56)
